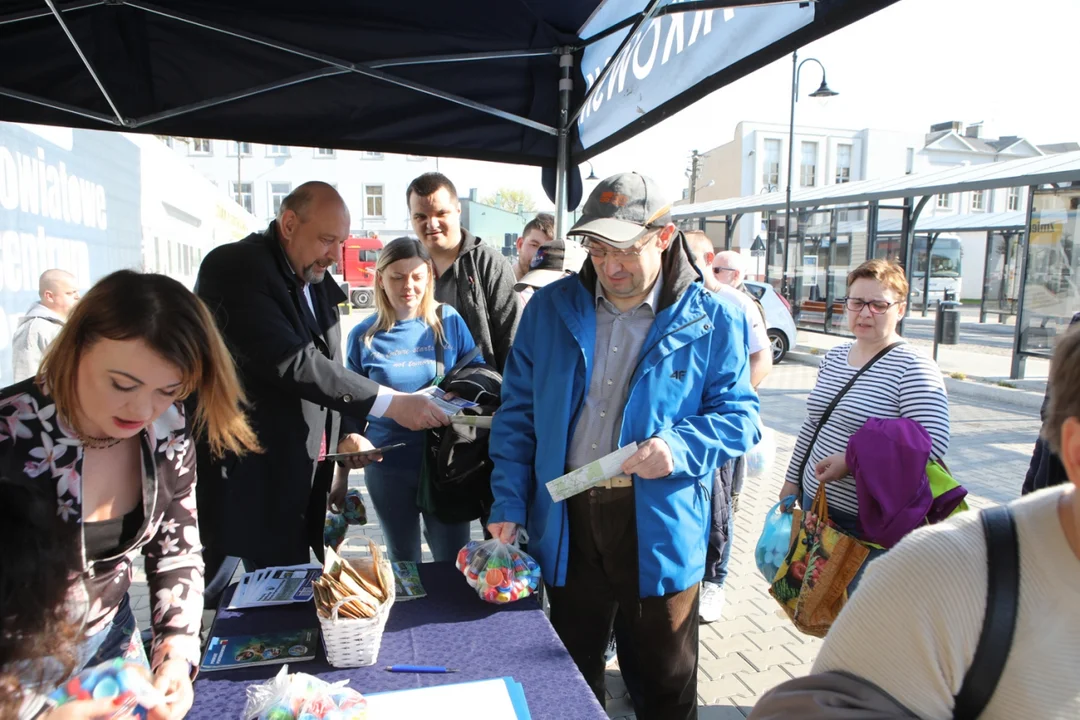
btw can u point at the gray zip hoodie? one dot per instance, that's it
(36, 330)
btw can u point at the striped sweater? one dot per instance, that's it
(904, 383)
(914, 623)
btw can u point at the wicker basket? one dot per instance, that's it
(355, 643)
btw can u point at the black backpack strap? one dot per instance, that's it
(999, 623)
(440, 364)
(465, 360)
(832, 406)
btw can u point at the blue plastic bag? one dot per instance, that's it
(759, 461)
(775, 538)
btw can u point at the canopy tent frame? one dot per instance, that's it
(333, 66)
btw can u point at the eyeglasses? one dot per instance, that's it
(718, 270)
(877, 307)
(599, 250)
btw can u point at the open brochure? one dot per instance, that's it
(580, 480)
(275, 586)
(450, 406)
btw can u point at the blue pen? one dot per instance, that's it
(419, 669)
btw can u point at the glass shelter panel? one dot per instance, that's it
(1051, 293)
(1001, 281)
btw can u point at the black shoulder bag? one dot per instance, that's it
(999, 623)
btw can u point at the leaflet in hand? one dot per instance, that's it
(586, 476)
(449, 406)
(275, 586)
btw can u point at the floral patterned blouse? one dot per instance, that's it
(36, 442)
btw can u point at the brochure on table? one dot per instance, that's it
(272, 586)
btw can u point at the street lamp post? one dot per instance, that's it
(822, 92)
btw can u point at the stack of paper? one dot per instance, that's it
(502, 698)
(275, 586)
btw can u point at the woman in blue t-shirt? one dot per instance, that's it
(395, 347)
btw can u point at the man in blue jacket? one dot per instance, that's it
(632, 350)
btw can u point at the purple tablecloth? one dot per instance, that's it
(451, 627)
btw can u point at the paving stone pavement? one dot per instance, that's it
(754, 647)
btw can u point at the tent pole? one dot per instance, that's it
(33, 14)
(340, 64)
(562, 160)
(63, 107)
(85, 61)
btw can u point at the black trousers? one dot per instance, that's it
(658, 635)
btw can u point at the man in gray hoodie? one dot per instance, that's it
(42, 322)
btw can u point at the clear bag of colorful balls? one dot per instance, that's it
(298, 696)
(128, 684)
(500, 572)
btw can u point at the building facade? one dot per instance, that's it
(259, 177)
(756, 161)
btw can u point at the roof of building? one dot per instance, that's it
(1022, 172)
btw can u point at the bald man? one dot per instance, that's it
(277, 307)
(41, 324)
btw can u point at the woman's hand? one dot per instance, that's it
(831, 469)
(102, 709)
(354, 442)
(173, 679)
(788, 490)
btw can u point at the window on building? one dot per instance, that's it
(808, 171)
(372, 155)
(277, 151)
(978, 200)
(771, 164)
(243, 195)
(1013, 202)
(278, 192)
(324, 152)
(245, 149)
(200, 146)
(944, 200)
(373, 200)
(843, 164)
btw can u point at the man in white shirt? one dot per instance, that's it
(727, 479)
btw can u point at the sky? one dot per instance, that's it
(913, 64)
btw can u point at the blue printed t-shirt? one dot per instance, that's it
(403, 358)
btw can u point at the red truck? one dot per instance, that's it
(357, 268)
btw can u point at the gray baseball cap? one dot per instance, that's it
(621, 209)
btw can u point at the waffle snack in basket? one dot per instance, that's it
(361, 586)
(353, 600)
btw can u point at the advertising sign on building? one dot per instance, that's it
(69, 199)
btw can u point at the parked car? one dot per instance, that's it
(780, 324)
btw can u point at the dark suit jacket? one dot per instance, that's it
(291, 368)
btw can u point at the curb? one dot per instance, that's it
(966, 389)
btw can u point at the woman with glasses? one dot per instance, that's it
(902, 383)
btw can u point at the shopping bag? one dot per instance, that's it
(812, 584)
(499, 572)
(759, 460)
(775, 539)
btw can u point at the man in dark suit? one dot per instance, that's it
(280, 321)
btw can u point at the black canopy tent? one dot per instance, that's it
(484, 79)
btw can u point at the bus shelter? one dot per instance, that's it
(837, 227)
(1049, 294)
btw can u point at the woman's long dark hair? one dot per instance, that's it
(38, 561)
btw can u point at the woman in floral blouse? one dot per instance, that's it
(102, 423)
